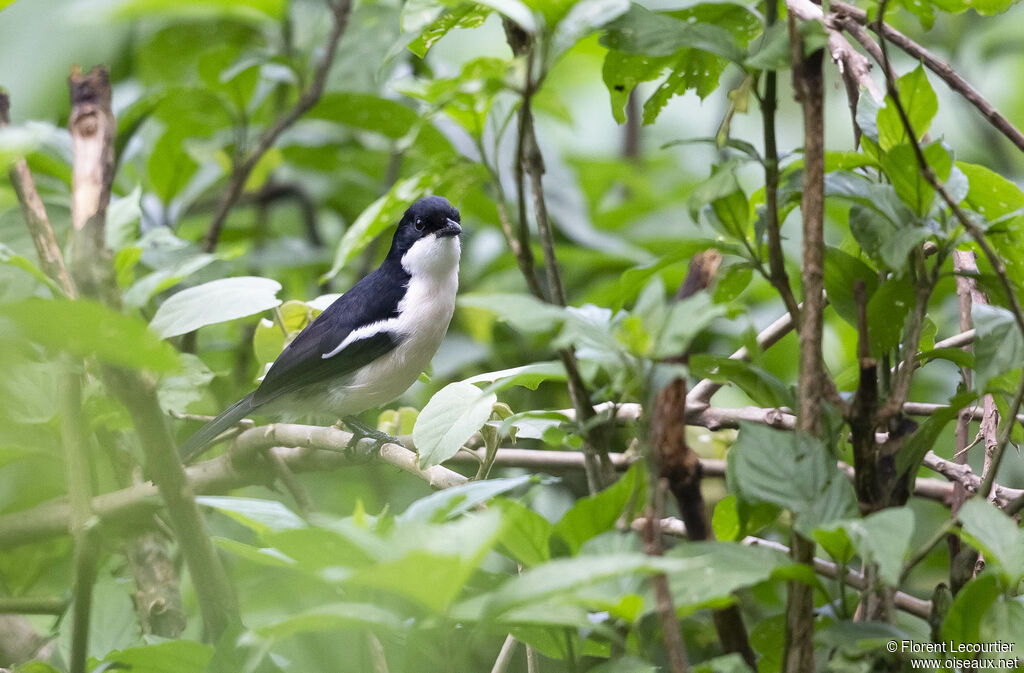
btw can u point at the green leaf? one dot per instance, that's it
(583, 17)
(455, 501)
(449, 419)
(901, 165)
(882, 538)
(122, 224)
(623, 71)
(178, 390)
(522, 312)
(918, 100)
(886, 311)
(333, 617)
(516, 11)
(217, 301)
(528, 376)
(790, 470)
(525, 534)
(884, 240)
(764, 388)
(963, 621)
(641, 31)
(724, 567)
(8, 256)
(998, 345)
(996, 534)
(842, 271)
(241, 9)
(173, 656)
(470, 15)
(597, 513)
(565, 575)
(111, 337)
(437, 560)
(261, 516)
(367, 112)
(734, 519)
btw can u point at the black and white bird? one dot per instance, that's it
(373, 342)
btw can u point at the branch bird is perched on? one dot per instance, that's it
(373, 342)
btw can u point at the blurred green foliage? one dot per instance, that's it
(423, 98)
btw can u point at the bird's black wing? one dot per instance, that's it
(373, 299)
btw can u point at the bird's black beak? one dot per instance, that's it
(452, 228)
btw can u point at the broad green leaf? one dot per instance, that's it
(901, 165)
(641, 31)
(882, 538)
(998, 346)
(437, 563)
(886, 311)
(597, 513)
(727, 663)
(1001, 623)
(963, 621)
(261, 516)
(734, 519)
(455, 501)
(449, 419)
(878, 196)
(122, 224)
(622, 72)
(924, 439)
(8, 256)
(217, 301)
(333, 617)
(842, 271)
(997, 535)
(170, 272)
(528, 376)
(522, 312)
(565, 575)
(999, 199)
(525, 534)
(178, 390)
(763, 387)
(723, 568)
(583, 17)
(368, 112)
(114, 338)
(884, 240)
(469, 15)
(518, 12)
(172, 656)
(263, 10)
(790, 470)
(918, 100)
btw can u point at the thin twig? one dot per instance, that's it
(51, 259)
(979, 237)
(504, 659)
(33, 605)
(92, 134)
(936, 65)
(340, 14)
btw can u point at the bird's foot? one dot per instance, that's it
(361, 430)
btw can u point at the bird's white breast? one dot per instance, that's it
(423, 318)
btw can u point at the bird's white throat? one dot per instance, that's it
(433, 257)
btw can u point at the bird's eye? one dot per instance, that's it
(418, 224)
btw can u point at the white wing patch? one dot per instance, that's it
(426, 309)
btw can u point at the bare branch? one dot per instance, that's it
(340, 12)
(849, 60)
(50, 257)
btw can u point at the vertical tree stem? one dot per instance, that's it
(809, 90)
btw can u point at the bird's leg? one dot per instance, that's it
(361, 430)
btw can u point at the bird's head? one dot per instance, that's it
(427, 239)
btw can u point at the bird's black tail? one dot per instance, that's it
(195, 444)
